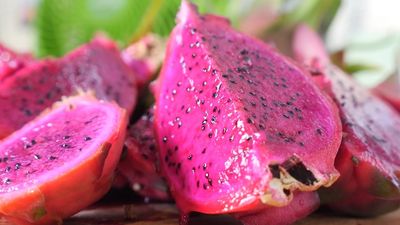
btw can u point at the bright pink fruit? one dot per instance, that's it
(303, 204)
(139, 166)
(10, 62)
(61, 162)
(369, 156)
(95, 66)
(390, 90)
(238, 124)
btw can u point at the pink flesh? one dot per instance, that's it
(96, 66)
(55, 143)
(139, 165)
(372, 127)
(302, 205)
(10, 62)
(228, 107)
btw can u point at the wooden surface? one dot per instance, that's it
(166, 214)
(157, 214)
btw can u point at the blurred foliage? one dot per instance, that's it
(65, 24)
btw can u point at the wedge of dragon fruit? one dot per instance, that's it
(95, 66)
(303, 204)
(369, 156)
(144, 57)
(238, 125)
(10, 62)
(139, 165)
(61, 162)
(389, 90)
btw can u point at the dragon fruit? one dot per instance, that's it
(60, 162)
(139, 165)
(10, 62)
(389, 90)
(144, 58)
(96, 66)
(369, 156)
(303, 203)
(238, 125)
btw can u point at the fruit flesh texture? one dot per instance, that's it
(61, 162)
(369, 158)
(303, 204)
(225, 144)
(95, 66)
(139, 166)
(10, 62)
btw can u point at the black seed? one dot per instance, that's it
(190, 157)
(204, 166)
(52, 157)
(198, 184)
(215, 109)
(188, 110)
(87, 138)
(204, 122)
(249, 120)
(225, 75)
(213, 119)
(179, 84)
(66, 137)
(204, 150)
(319, 131)
(65, 145)
(210, 135)
(252, 93)
(286, 116)
(27, 145)
(17, 166)
(7, 169)
(5, 159)
(209, 181)
(193, 30)
(301, 144)
(276, 84)
(203, 127)
(33, 142)
(7, 181)
(194, 55)
(165, 139)
(233, 81)
(231, 138)
(206, 174)
(253, 104)
(27, 112)
(205, 187)
(261, 126)
(204, 83)
(244, 52)
(215, 94)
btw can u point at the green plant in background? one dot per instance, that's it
(64, 24)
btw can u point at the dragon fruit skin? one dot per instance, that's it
(303, 204)
(95, 66)
(369, 156)
(10, 62)
(225, 144)
(139, 166)
(61, 162)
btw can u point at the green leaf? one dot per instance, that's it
(64, 24)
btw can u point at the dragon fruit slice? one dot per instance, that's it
(369, 156)
(10, 62)
(238, 124)
(303, 204)
(139, 165)
(145, 57)
(389, 90)
(60, 162)
(96, 66)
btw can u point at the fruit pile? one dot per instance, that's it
(236, 128)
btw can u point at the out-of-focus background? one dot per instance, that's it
(364, 34)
